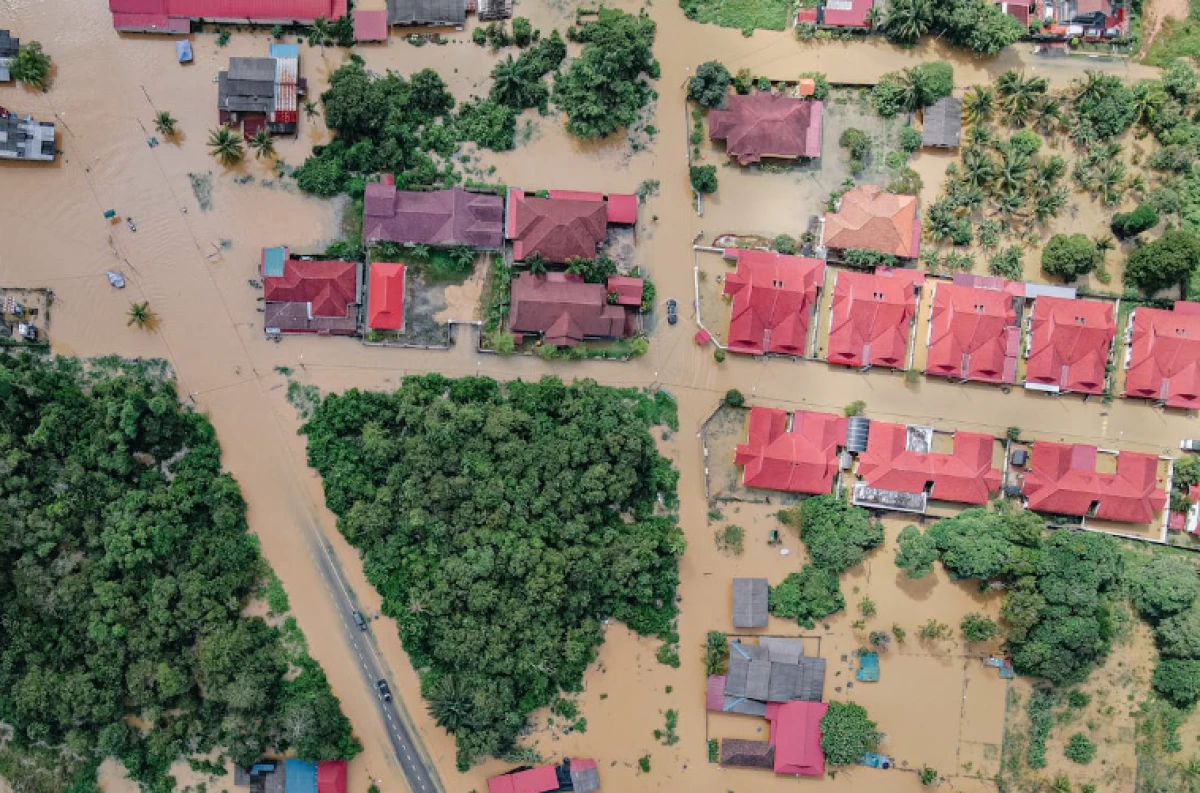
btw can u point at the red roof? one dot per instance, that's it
(847, 13)
(370, 25)
(1071, 343)
(965, 475)
(806, 16)
(766, 124)
(973, 335)
(629, 290)
(565, 310)
(385, 299)
(132, 14)
(1177, 521)
(329, 287)
(1165, 360)
(714, 695)
(873, 317)
(438, 217)
(870, 219)
(331, 776)
(800, 460)
(773, 299)
(532, 780)
(796, 736)
(622, 208)
(1062, 479)
(557, 228)
(1018, 11)
(703, 337)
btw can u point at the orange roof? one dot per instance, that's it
(872, 317)
(385, 302)
(870, 219)
(1063, 480)
(1165, 356)
(974, 334)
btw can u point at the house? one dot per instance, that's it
(773, 671)
(873, 317)
(439, 218)
(974, 331)
(439, 13)
(1019, 11)
(838, 14)
(299, 776)
(1163, 355)
(177, 16)
(331, 776)
(774, 298)
(564, 310)
(802, 458)
(26, 139)
(385, 297)
(900, 469)
(262, 92)
(309, 296)
(1063, 480)
(870, 219)
(574, 775)
(739, 753)
(558, 229)
(796, 736)
(750, 602)
(1070, 345)
(265, 776)
(9, 47)
(629, 290)
(941, 125)
(766, 124)
(370, 24)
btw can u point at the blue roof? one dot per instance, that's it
(285, 51)
(273, 259)
(300, 776)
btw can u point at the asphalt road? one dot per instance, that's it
(421, 776)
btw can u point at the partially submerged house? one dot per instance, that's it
(565, 224)
(385, 296)
(901, 469)
(774, 299)
(371, 23)
(1065, 479)
(435, 13)
(9, 47)
(564, 311)
(309, 295)
(177, 16)
(628, 289)
(974, 330)
(851, 14)
(1070, 345)
(23, 138)
(309, 776)
(574, 775)
(1162, 355)
(750, 602)
(766, 124)
(438, 218)
(873, 318)
(869, 219)
(941, 125)
(796, 736)
(775, 670)
(262, 92)
(740, 753)
(800, 458)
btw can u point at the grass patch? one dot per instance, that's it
(1178, 38)
(740, 14)
(36, 769)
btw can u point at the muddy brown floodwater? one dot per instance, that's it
(192, 266)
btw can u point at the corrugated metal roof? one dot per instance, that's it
(427, 12)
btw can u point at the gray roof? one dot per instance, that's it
(810, 686)
(743, 706)
(8, 45)
(782, 681)
(784, 651)
(427, 12)
(26, 139)
(758, 680)
(754, 678)
(750, 602)
(248, 86)
(942, 125)
(585, 780)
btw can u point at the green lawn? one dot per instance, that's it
(741, 14)
(1177, 39)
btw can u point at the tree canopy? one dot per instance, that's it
(709, 85)
(806, 596)
(837, 534)
(502, 525)
(1069, 256)
(1164, 263)
(916, 552)
(1164, 587)
(847, 733)
(128, 565)
(975, 25)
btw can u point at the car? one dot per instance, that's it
(359, 621)
(1190, 445)
(385, 693)
(672, 315)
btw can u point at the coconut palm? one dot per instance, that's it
(141, 315)
(262, 143)
(1051, 118)
(1019, 95)
(1110, 178)
(419, 253)
(1010, 204)
(1104, 243)
(310, 109)
(981, 136)
(1136, 185)
(963, 196)
(908, 20)
(507, 83)
(226, 145)
(320, 33)
(1014, 167)
(165, 124)
(1149, 99)
(978, 104)
(450, 703)
(874, 17)
(1083, 134)
(1048, 206)
(978, 167)
(536, 263)
(1091, 87)
(462, 256)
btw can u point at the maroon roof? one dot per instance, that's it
(628, 290)
(370, 25)
(440, 217)
(558, 229)
(1017, 10)
(739, 753)
(312, 297)
(765, 124)
(565, 310)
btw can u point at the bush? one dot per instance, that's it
(522, 31)
(1069, 256)
(910, 139)
(719, 355)
(1179, 636)
(927, 775)
(1007, 264)
(806, 596)
(837, 534)
(889, 97)
(821, 92)
(710, 85)
(703, 178)
(1178, 682)
(1166, 262)
(857, 143)
(978, 628)
(855, 408)
(479, 36)
(1127, 225)
(933, 81)
(32, 66)
(916, 552)
(847, 733)
(785, 245)
(743, 82)
(1079, 749)
(734, 398)
(1026, 142)
(1078, 699)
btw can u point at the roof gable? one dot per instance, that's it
(800, 460)
(766, 124)
(773, 299)
(1071, 344)
(558, 229)
(870, 219)
(872, 317)
(1062, 479)
(1165, 356)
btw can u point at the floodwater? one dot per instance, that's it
(193, 266)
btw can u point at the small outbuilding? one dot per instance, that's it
(750, 602)
(942, 125)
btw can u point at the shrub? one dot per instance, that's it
(1078, 699)
(734, 398)
(522, 31)
(479, 36)
(847, 733)
(716, 653)
(719, 355)
(1178, 681)
(1026, 142)
(1007, 264)
(1069, 256)
(927, 775)
(1127, 225)
(978, 628)
(889, 96)
(709, 85)
(743, 81)
(785, 244)
(933, 80)
(1166, 262)
(855, 408)
(1079, 749)
(910, 139)
(821, 91)
(703, 178)
(806, 596)
(1164, 587)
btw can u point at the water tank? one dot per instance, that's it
(857, 430)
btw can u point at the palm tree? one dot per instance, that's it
(1047, 206)
(419, 253)
(536, 263)
(1104, 243)
(310, 109)
(463, 256)
(1014, 167)
(1010, 204)
(165, 124)
(225, 145)
(1050, 116)
(874, 17)
(507, 85)
(141, 315)
(981, 136)
(1019, 95)
(450, 704)
(1149, 99)
(319, 33)
(978, 104)
(908, 20)
(262, 143)
(978, 167)
(1091, 87)
(1109, 180)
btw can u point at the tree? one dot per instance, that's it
(1127, 225)
(806, 596)
(837, 534)
(31, 66)
(1179, 80)
(1164, 587)
(710, 85)
(703, 178)
(785, 244)
(320, 33)
(262, 143)
(1069, 256)
(1166, 262)
(1018, 95)
(734, 398)
(927, 775)
(522, 30)
(310, 109)
(847, 733)
(1178, 636)
(1177, 681)
(140, 314)
(537, 263)
(915, 553)
(978, 104)
(225, 145)
(933, 80)
(1007, 264)
(165, 124)
(1104, 104)
(1079, 749)
(908, 20)
(978, 628)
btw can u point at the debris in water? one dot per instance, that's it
(202, 189)
(115, 279)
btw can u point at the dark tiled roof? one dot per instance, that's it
(750, 602)
(737, 753)
(439, 217)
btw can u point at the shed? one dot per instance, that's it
(942, 125)
(300, 776)
(750, 602)
(331, 776)
(738, 753)
(868, 668)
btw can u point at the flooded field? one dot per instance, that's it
(192, 267)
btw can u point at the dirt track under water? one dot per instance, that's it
(192, 267)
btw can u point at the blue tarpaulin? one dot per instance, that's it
(273, 259)
(284, 50)
(868, 668)
(300, 776)
(183, 50)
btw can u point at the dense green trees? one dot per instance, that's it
(502, 525)
(1178, 681)
(1127, 225)
(1104, 105)
(1164, 263)
(703, 178)
(129, 564)
(847, 733)
(836, 534)
(975, 25)
(31, 66)
(709, 85)
(1164, 587)
(807, 596)
(1069, 256)
(978, 628)
(912, 89)
(916, 552)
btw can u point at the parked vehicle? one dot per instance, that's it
(672, 315)
(359, 621)
(385, 693)
(1190, 445)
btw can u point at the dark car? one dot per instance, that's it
(385, 693)
(672, 316)
(359, 621)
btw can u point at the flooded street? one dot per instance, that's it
(193, 269)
